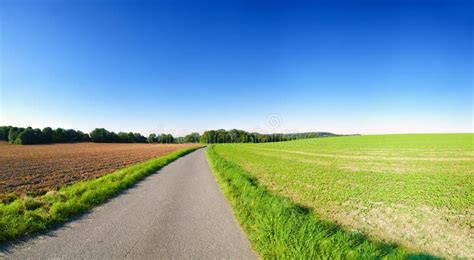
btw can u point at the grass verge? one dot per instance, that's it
(279, 228)
(27, 215)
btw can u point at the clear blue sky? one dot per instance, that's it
(179, 66)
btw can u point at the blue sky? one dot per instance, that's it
(181, 66)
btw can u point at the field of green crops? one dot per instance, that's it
(416, 191)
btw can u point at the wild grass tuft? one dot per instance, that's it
(279, 228)
(27, 215)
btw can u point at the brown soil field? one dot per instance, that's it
(36, 169)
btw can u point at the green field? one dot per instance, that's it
(416, 191)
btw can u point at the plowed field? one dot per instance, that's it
(35, 169)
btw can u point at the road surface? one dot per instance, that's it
(177, 213)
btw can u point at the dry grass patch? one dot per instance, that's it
(443, 232)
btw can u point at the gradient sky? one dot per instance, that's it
(181, 66)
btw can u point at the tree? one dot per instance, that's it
(178, 140)
(205, 138)
(59, 135)
(47, 134)
(13, 133)
(130, 138)
(4, 130)
(138, 138)
(192, 138)
(83, 137)
(240, 136)
(152, 138)
(123, 137)
(113, 138)
(38, 136)
(166, 139)
(100, 135)
(26, 137)
(73, 136)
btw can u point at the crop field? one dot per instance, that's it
(413, 190)
(36, 169)
(26, 215)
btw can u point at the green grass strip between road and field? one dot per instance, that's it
(279, 228)
(31, 214)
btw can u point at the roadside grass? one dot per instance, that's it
(279, 228)
(27, 215)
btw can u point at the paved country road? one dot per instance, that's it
(177, 213)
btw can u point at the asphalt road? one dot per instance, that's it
(177, 213)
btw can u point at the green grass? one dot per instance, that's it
(31, 214)
(279, 228)
(412, 190)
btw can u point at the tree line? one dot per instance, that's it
(240, 136)
(28, 135)
(161, 139)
